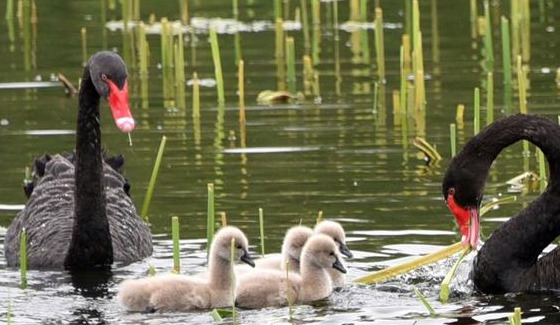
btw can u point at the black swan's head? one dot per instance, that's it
(109, 76)
(463, 186)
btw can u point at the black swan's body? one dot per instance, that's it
(509, 260)
(79, 214)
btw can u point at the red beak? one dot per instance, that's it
(118, 101)
(468, 220)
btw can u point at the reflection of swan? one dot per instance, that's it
(334, 230)
(175, 292)
(508, 261)
(263, 288)
(79, 215)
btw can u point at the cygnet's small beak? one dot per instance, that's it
(345, 251)
(246, 258)
(337, 265)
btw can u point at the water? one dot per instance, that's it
(332, 154)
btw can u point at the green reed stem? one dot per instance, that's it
(125, 12)
(489, 98)
(180, 72)
(143, 49)
(217, 65)
(27, 34)
(196, 96)
(506, 58)
(319, 217)
(515, 318)
(542, 170)
(241, 90)
(83, 33)
(23, 258)
(488, 43)
(375, 97)
(425, 302)
(476, 122)
(235, 9)
(444, 291)
(175, 239)
(278, 9)
(515, 46)
(453, 136)
(9, 9)
(474, 18)
(224, 218)
(184, 9)
(153, 179)
(525, 30)
(233, 281)
(403, 82)
(291, 64)
(379, 45)
(521, 87)
(280, 61)
(305, 26)
(210, 218)
(261, 227)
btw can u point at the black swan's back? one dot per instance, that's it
(49, 217)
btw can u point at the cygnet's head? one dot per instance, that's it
(321, 251)
(221, 245)
(334, 230)
(294, 240)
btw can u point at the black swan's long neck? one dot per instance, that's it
(91, 244)
(508, 260)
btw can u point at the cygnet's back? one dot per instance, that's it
(292, 245)
(174, 292)
(266, 288)
(334, 230)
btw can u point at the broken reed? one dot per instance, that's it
(489, 98)
(291, 64)
(515, 318)
(224, 218)
(175, 239)
(153, 178)
(23, 258)
(83, 33)
(261, 227)
(241, 90)
(196, 96)
(379, 45)
(476, 120)
(217, 65)
(210, 218)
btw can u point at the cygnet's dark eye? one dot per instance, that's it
(239, 247)
(103, 77)
(331, 254)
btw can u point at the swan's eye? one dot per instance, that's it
(239, 247)
(103, 77)
(451, 191)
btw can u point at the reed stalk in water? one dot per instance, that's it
(196, 96)
(291, 64)
(476, 121)
(261, 227)
(175, 239)
(153, 178)
(184, 9)
(444, 291)
(143, 50)
(210, 218)
(489, 98)
(506, 62)
(425, 302)
(453, 136)
(23, 258)
(488, 43)
(224, 218)
(542, 170)
(280, 61)
(180, 71)
(379, 45)
(515, 318)
(521, 86)
(83, 32)
(233, 281)
(241, 90)
(217, 66)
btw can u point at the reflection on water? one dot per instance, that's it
(334, 150)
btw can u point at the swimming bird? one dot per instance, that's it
(174, 292)
(266, 288)
(79, 214)
(292, 245)
(509, 260)
(334, 230)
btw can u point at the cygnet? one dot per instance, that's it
(334, 230)
(292, 245)
(175, 292)
(265, 288)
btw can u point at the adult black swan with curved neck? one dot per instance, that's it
(79, 216)
(509, 260)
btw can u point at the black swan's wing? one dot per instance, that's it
(49, 215)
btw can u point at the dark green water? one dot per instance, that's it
(334, 154)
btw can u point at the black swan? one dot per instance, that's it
(79, 215)
(509, 260)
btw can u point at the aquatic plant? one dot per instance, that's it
(23, 258)
(175, 239)
(217, 66)
(261, 228)
(210, 217)
(153, 179)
